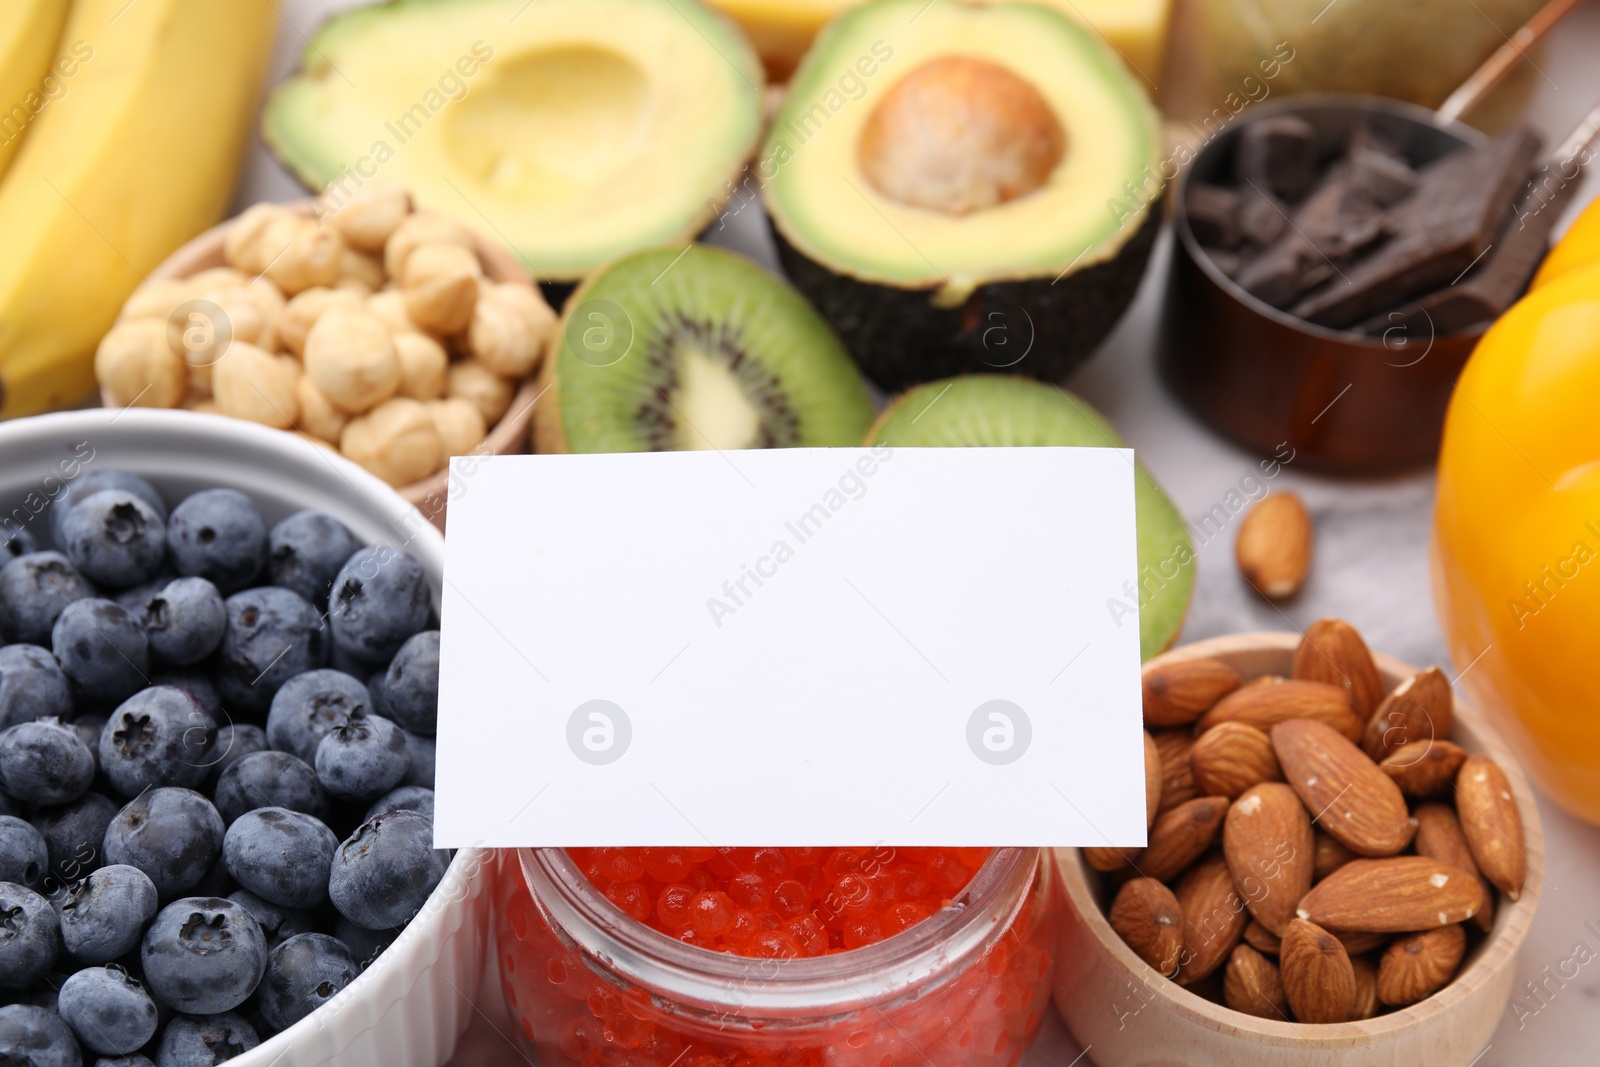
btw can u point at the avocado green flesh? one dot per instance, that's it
(675, 349)
(993, 410)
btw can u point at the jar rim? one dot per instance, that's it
(909, 962)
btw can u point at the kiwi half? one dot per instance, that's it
(992, 409)
(693, 348)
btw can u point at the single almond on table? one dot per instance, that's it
(1317, 977)
(1261, 939)
(1425, 770)
(1147, 917)
(1230, 758)
(1420, 709)
(1110, 860)
(1332, 651)
(1273, 549)
(1265, 706)
(1396, 895)
(1177, 774)
(1181, 835)
(1214, 918)
(1366, 1002)
(1266, 838)
(1357, 804)
(1419, 965)
(1152, 779)
(1252, 985)
(1178, 692)
(1328, 855)
(1439, 837)
(1492, 824)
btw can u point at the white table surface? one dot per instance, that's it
(1370, 568)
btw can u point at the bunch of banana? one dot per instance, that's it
(129, 122)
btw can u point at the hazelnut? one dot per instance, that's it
(423, 227)
(351, 358)
(301, 254)
(252, 384)
(481, 387)
(204, 407)
(423, 363)
(136, 366)
(243, 246)
(510, 323)
(360, 271)
(216, 278)
(440, 283)
(242, 321)
(389, 305)
(301, 313)
(368, 218)
(459, 423)
(156, 299)
(319, 416)
(396, 441)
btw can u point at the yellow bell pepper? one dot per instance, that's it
(1516, 551)
(1579, 248)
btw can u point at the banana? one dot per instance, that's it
(29, 34)
(137, 156)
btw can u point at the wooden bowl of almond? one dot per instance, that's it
(1343, 859)
(397, 337)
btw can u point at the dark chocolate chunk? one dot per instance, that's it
(1278, 154)
(1263, 218)
(1229, 263)
(1213, 215)
(1383, 178)
(1332, 224)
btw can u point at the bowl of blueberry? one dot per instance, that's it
(219, 656)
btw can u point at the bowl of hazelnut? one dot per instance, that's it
(396, 337)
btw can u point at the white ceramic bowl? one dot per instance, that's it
(409, 1007)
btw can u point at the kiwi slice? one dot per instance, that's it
(692, 348)
(992, 409)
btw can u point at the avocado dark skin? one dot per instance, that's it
(1041, 327)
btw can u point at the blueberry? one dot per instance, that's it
(216, 882)
(281, 856)
(197, 685)
(272, 635)
(74, 835)
(17, 541)
(365, 945)
(278, 924)
(92, 482)
(305, 552)
(304, 973)
(109, 1011)
(382, 874)
(137, 599)
(411, 684)
(31, 1036)
(32, 686)
(422, 751)
(88, 727)
(234, 742)
(190, 1041)
(380, 597)
(309, 706)
(270, 779)
(10, 806)
(172, 835)
(363, 757)
(33, 591)
(159, 736)
(114, 539)
(104, 912)
(30, 934)
(44, 762)
(185, 621)
(24, 858)
(218, 534)
(135, 1060)
(102, 649)
(403, 798)
(203, 955)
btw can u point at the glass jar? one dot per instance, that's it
(588, 986)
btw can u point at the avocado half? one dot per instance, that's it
(964, 187)
(576, 131)
(999, 410)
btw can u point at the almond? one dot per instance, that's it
(1317, 977)
(1146, 915)
(1178, 692)
(1181, 835)
(1261, 939)
(1266, 838)
(1252, 985)
(1421, 708)
(1366, 1002)
(1492, 824)
(1177, 774)
(1332, 651)
(1418, 965)
(1357, 804)
(1214, 918)
(1152, 779)
(1264, 706)
(1328, 855)
(1356, 942)
(1230, 758)
(1424, 770)
(1397, 895)
(1110, 860)
(1274, 546)
(1439, 837)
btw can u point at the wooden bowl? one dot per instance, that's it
(1131, 1016)
(509, 436)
